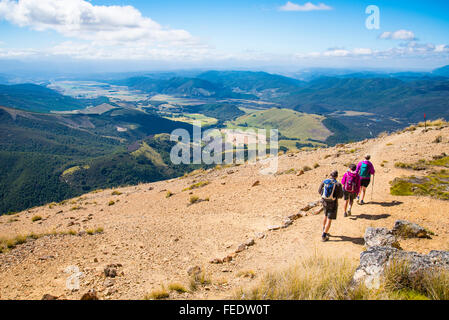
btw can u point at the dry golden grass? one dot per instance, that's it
(319, 278)
(159, 294)
(36, 218)
(201, 279)
(314, 278)
(177, 287)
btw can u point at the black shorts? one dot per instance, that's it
(349, 195)
(331, 214)
(365, 182)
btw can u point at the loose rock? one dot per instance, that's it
(407, 229)
(194, 270)
(90, 295)
(380, 237)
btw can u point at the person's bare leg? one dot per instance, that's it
(324, 222)
(363, 193)
(346, 205)
(328, 226)
(351, 202)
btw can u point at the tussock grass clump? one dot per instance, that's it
(159, 294)
(193, 173)
(403, 284)
(11, 243)
(246, 274)
(441, 162)
(289, 171)
(69, 232)
(95, 231)
(199, 279)
(315, 278)
(319, 278)
(111, 203)
(116, 193)
(194, 199)
(169, 194)
(177, 287)
(316, 165)
(306, 168)
(36, 218)
(197, 185)
(52, 205)
(435, 123)
(435, 185)
(414, 166)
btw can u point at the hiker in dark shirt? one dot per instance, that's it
(330, 190)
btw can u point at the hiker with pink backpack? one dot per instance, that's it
(351, 187)
(365, 169)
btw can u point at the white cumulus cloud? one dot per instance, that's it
(398, 35)
(309, 6)
(83, 20)
(94, 31)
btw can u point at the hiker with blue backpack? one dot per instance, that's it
(365, 169)
(351, 187)
(330, 190)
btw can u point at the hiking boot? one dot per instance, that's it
(325, 238)
(362, 202)
(346, 214)
(349, 213)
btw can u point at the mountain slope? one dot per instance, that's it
(251, 82)
(37, 98)
(290, 123)
(181, 86)
(156, 238)
(443, 71)
(392, 97)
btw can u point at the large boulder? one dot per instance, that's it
(407, 229)
(374, 261)
(380, 237)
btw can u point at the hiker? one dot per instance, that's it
(351, 187)
(330, 190)
(365, 169)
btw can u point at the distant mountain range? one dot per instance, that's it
(180, 86)
(48, 157)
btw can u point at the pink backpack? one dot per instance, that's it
(351, 183)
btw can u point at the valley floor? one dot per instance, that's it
(156, 238)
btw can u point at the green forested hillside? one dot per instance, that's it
(251, 81)
(39, 151)
(220, 111)
(181, 86)
(37, 98)
(383, 96)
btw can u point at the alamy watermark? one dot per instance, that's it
(226, 146)
(373, 20)
(73, 280)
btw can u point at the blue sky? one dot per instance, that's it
(227, 34)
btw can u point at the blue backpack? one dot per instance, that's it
(329, 189)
